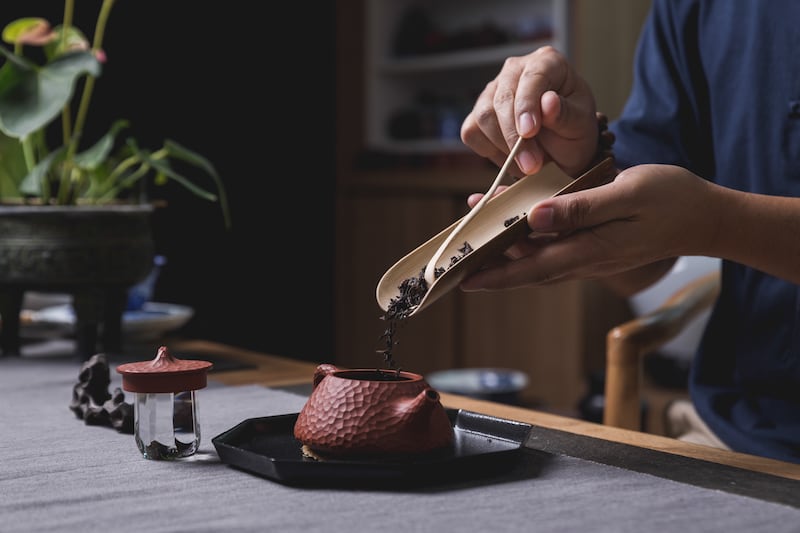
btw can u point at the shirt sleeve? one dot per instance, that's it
(665, 119)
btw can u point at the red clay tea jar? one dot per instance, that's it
(371, 412)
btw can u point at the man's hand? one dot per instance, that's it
(540, 97)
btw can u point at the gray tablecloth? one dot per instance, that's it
(59, 474)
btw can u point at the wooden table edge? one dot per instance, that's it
(278, 371)
(624, 436)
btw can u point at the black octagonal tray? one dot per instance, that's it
(265, 446)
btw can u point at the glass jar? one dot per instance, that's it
(165, 405)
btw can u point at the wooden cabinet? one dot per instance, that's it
(555, 334)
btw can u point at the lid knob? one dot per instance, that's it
(164, 373)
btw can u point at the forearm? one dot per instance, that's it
(759, 231)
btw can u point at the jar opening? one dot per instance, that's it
(374, 375)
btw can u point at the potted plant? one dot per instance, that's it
(75, 212)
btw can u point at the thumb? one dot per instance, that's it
(577, 210)
(542, 217)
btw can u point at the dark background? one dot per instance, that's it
(254, 93)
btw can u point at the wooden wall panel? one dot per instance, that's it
(376, 229)
(534, 330)
(556, 334)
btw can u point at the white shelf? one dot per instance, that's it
(462, 59)
(421, 146)
(416, 100)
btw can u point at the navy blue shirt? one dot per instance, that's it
(717, 91)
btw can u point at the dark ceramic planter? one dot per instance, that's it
(94, 253)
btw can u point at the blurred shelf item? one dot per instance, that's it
(152, 321)
(426, 62)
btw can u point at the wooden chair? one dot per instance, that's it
(628, 343)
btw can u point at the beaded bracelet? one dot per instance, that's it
(605, 140)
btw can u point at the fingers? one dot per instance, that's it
(544, 70)
(474, 198)
(546, 79)
(522, 269)
(482, 129)
(503, 102)
(509, 107)
(609, 230)
(540, 98)
(528, 245)
(577, 235)
(569, 130)
(581, 255)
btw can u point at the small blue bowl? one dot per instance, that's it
(502, 385)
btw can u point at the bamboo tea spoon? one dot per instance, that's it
(430, 269)
(500, 223)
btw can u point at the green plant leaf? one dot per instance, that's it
(163, 167)
(33, 183)
(180, 152)
(31, 96)
(94, 157)
(12, 166)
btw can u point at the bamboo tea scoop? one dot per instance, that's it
(490, 231)
(430, 269)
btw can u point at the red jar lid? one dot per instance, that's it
(164, 374)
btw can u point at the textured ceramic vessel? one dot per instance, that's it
(369, 412)
(94, 253)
